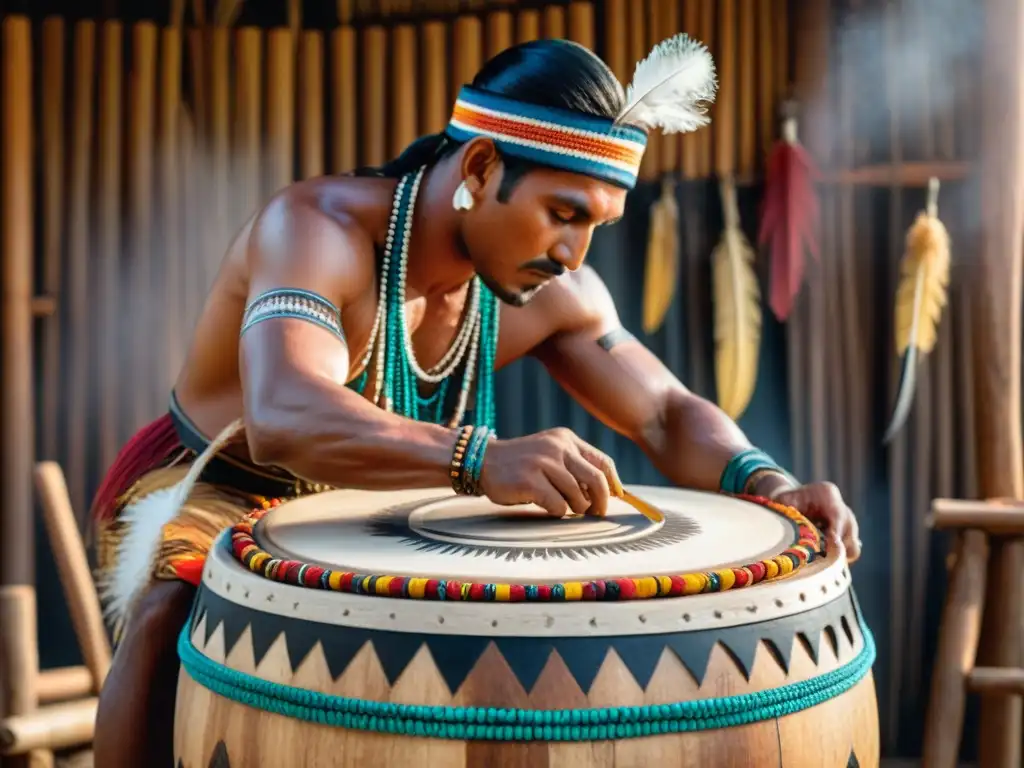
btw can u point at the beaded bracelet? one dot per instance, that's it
(468, 459)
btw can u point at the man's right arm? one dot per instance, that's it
(298, 413)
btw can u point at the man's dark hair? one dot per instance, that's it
(548, 73)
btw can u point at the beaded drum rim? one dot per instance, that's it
(259, 561)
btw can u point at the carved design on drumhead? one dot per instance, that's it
(456, 655)
(514, 534)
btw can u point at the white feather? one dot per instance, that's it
(671, 87)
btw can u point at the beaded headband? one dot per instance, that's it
(668, 91)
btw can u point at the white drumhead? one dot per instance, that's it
(436, 534)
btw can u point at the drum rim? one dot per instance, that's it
(306, 575)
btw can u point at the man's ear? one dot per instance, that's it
(480, 160)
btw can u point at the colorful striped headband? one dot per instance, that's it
(668, 91)
(558, 138)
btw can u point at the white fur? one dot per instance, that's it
(671, 87)
(144, 521)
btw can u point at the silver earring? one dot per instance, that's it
(462, 200)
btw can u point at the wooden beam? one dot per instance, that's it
(996, 302)
(996, 680)
(54, 727)
(996, 516)
(64, 684)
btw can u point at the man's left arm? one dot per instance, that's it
(689, 439)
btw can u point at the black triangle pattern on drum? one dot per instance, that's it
(456, 655)
(396, 652)
(636, 654)
(584, 657)
(526, 657)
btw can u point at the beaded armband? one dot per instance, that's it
(468, 459)
(295, 303)
(745, 468)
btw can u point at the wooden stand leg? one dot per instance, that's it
(959, 631)
(19, 664)
(1000, 743)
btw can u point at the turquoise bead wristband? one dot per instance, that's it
(743, 466)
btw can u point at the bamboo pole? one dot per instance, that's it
(280, 115)
(527, 26)
(706, 138)
(746, 167)
(140, 186)
(53, 225)
(433, 55)
(343, 91)
(553, 22)
(404, 117)
(766, 53)
(19, 657)
(997, 346)
(221, 220)
(77, 382)
(16, 418)
(248, 106)
(581, 23)
(665, 16)
(57, 726)
(73, 569)
(168, 277)
(499, 32)
(959, 630)
(110, 321)
(724, 125)
(638, 35)
(373, 111)
(64, 683)
(467, 47)
(311, 94)
(616, 51)
(690, 143)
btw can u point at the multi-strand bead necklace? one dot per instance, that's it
(397, 375)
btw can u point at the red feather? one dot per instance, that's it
(147, 450)
(789, 222)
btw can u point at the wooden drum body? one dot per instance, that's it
(715, 637)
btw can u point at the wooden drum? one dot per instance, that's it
(420, 629)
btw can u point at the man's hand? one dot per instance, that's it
(555, 470)
(824, 504)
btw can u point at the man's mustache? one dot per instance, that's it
(545, 266)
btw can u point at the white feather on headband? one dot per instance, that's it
(671, 87)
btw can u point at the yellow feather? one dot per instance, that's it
(924, 276)
(737, 300)
(920, 299)
(662, 268)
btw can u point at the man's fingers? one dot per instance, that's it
(568, 487)
(604, 463)
(595, 482)
(551, 501)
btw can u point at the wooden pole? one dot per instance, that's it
(958, 645)
(54, 727)
(169, 271)
(499, 32)
(53, 121)
(343, 99)
(311, 93)
(109, 323)
(222, 223)
(248, 102)
(19, 656)
(280, 109)
(403, 88)
(373, 117)
(16, 417)
(433, 55)
(997, 347)
(78, 379)
(73, 569)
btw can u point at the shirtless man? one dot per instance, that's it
(478, 237)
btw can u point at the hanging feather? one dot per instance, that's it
(662, 268)
(790, 217)
(737, 300)
(920, 299)
(671, 88)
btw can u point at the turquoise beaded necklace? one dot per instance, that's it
(398, 377)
